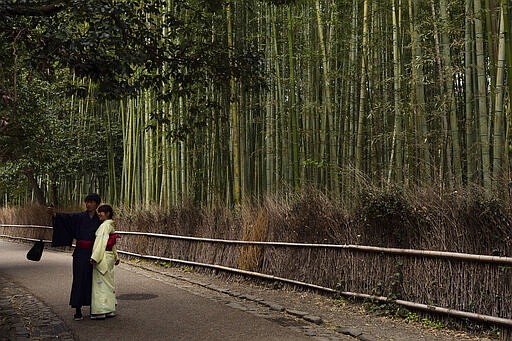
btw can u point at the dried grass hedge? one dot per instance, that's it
(467, 221)
(28, 215)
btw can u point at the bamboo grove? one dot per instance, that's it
(401, 92)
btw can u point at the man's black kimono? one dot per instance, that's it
(82, 227)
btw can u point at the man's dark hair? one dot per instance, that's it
(106, 208)
(93, 197)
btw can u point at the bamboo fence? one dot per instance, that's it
(448, 283)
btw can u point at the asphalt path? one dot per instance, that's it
(150, 310)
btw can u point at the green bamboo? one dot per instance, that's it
(293, 104)
(448, 80)
(362, 93)
(396, 146)
(235, 143)
(499, 138)
(468, 83)
(481, 94)
(419, 98)
(328, 115)
(349, 123)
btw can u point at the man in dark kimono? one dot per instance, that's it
(81, 227)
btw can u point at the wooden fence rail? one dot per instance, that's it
(406, 252)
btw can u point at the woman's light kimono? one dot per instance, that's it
(103, 298)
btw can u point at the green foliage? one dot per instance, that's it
(413, 317)
(282, 2)
(339, 301)
(163, 264)
(45, 135)
(276, 285)
(126, 46)
(432, 324)
(313, 163)
(26, 141)
(122, 47)
(382, 308)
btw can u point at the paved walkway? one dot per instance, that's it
(172, 304)
(150, 306)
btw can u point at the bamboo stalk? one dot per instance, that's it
(499, 114)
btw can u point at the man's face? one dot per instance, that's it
(91, 206)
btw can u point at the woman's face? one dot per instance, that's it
(103, 215)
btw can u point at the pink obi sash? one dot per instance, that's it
(112, 241)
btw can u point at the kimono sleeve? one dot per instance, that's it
(64, 226)
(100, 243)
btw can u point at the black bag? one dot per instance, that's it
(36, 251)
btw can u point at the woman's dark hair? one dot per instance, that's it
(93, 197)
(106, 208)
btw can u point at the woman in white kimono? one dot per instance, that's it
(104, 257)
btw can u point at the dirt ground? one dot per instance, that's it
(339, 316)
